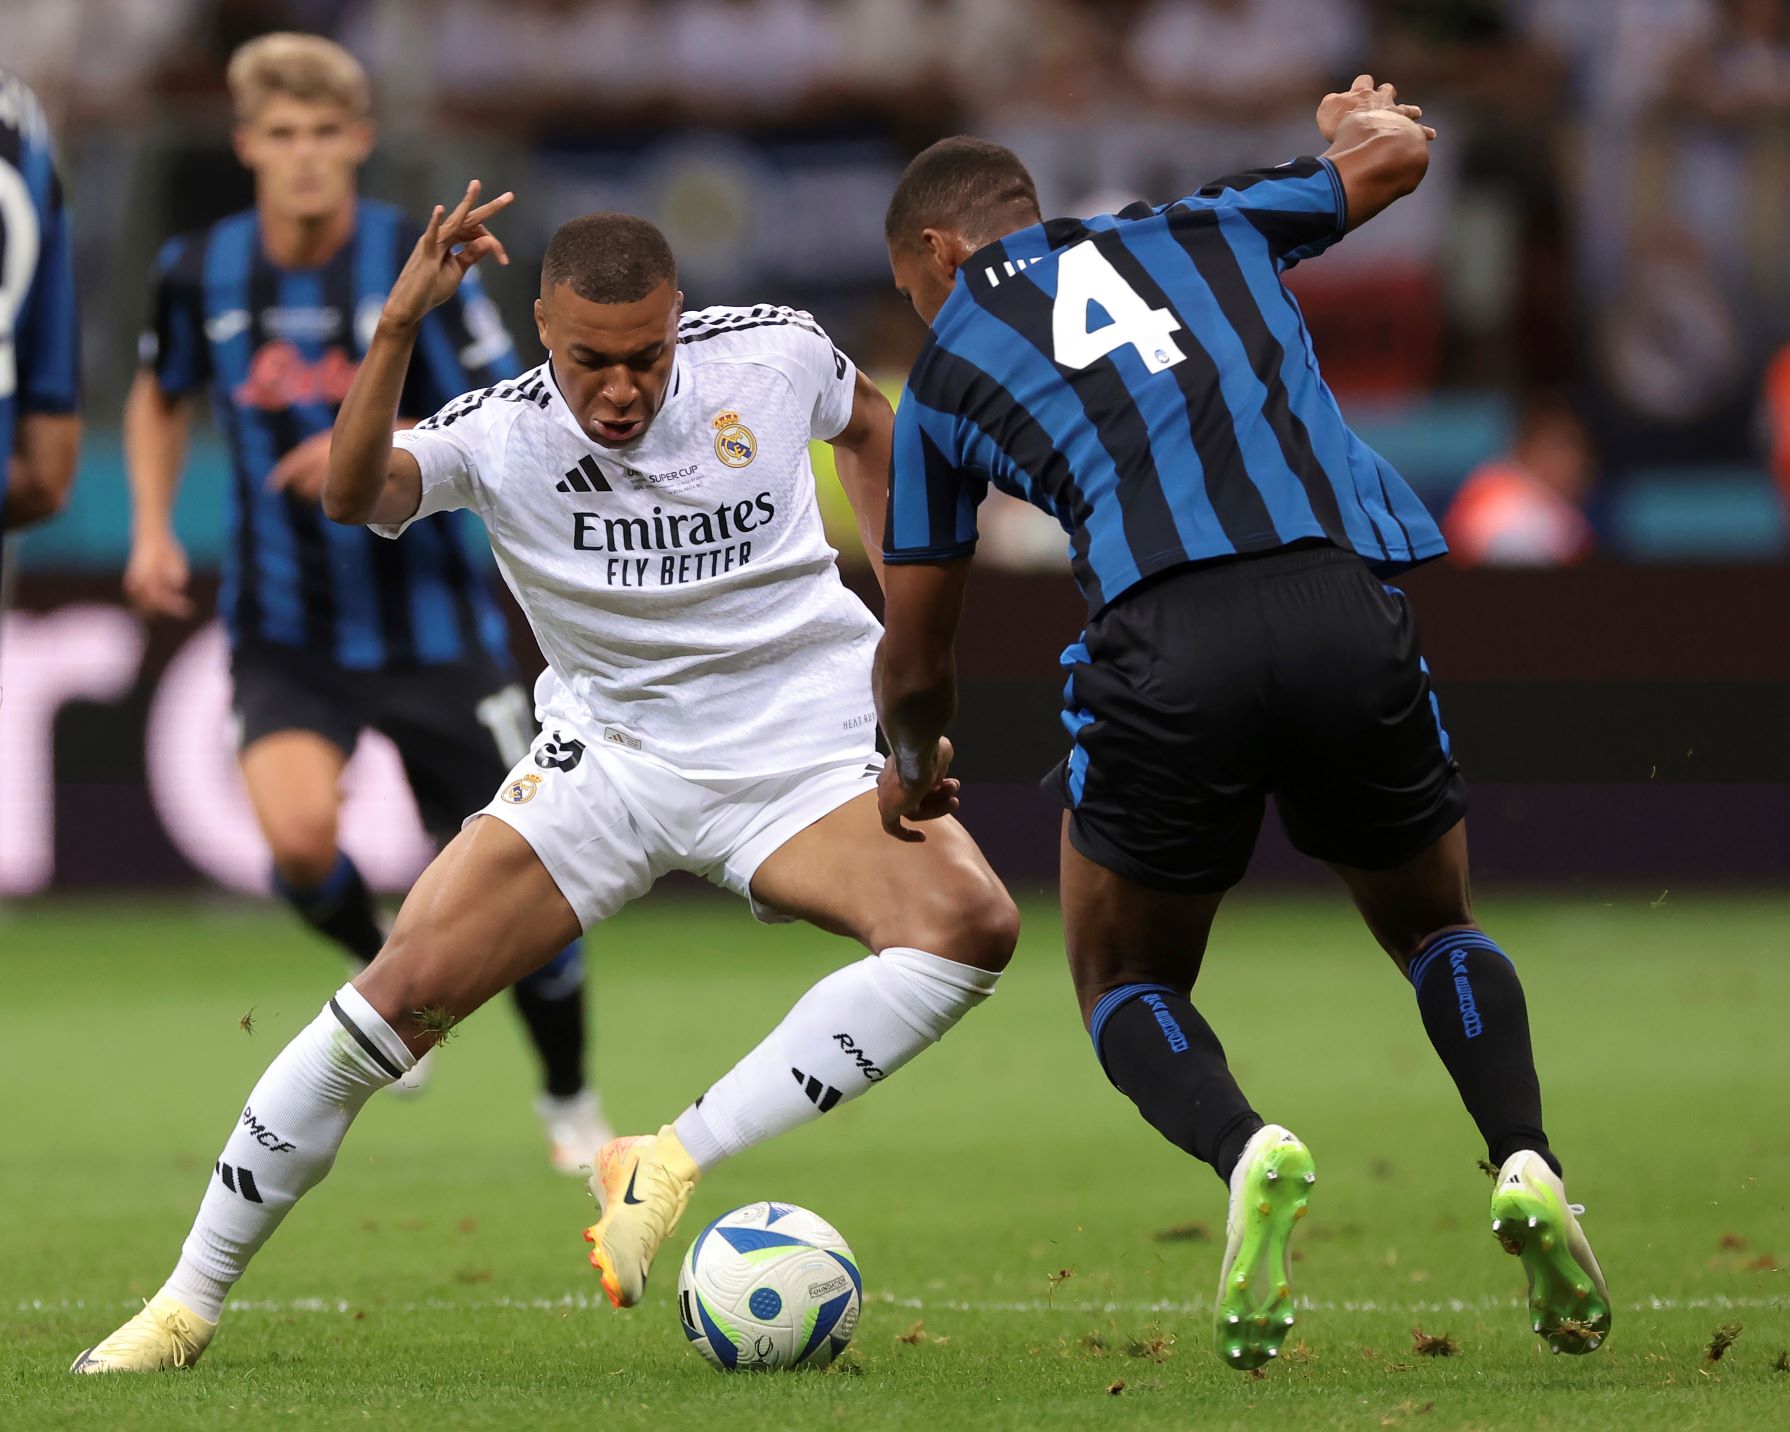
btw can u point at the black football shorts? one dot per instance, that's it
(459, 726)
(1202, 692)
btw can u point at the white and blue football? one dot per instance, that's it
(768, 1286)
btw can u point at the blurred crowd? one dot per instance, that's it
(529, 65)
(1601, 235)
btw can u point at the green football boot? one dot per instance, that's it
(1569, 1306)
(1269, 1189)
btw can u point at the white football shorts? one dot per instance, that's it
(607, 822)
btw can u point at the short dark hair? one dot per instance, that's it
(963, 183)
(608, 258)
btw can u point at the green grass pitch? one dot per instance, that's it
(1034, 1256)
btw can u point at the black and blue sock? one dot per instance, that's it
(551, 1003)
(341, 907)
(1474, 1013)
(1161, 1055)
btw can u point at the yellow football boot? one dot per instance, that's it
(166, 1334)
(641, 1185)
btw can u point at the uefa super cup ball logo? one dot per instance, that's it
(734, 443)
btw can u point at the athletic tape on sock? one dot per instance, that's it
(1109, 1006)
(1448, 945)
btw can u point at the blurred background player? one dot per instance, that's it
(1525, 508)
(332, 631)
(1145, 378)
(40, 433)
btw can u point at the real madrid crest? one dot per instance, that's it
(734, 443)
(521, 792)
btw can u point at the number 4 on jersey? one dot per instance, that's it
(1086, 278)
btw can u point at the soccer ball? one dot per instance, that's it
(769, 1285)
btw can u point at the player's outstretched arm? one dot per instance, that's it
(1379, 149)
(915, 679)
(862, 452)
(369, 479)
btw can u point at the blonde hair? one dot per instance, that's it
(306, 67)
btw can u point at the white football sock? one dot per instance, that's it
(853, 1029)
(284, 1142)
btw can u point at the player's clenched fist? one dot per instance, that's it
(1364, 94)
(923, 792)
(449, 247)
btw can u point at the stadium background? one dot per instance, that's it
(1606, 217)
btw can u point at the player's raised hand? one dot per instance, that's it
(1362, 95)
(928, 796)
(448, 249)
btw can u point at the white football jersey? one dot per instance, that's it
(682, 589)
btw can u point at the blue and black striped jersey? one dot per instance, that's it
(39, 321)
(277, 348)
(1147, 379)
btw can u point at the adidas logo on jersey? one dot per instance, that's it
(586, 477)
(822, 1096)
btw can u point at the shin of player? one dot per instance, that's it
(482, 915)
(897, 1003)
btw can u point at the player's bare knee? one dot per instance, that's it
(972, 922)
(304, 852)
(976, 922)
(991, 930)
